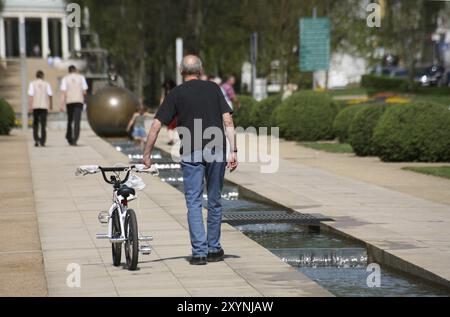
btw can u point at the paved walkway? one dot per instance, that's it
(405, 231)
(21, 262)
(372, 170)
(67, 209)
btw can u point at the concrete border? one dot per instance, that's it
(380, 256)
(375, 254)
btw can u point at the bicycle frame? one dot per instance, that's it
(122, 209)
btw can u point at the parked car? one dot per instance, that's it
(390, 71)
(434, 75)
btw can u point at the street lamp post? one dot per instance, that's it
(179, 59)
(254, 58)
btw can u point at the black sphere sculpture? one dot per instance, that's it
(110, 110)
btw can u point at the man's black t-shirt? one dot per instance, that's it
(198, 106)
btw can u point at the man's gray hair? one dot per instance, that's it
(191, 65)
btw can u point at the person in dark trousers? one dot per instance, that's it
(74, 89)
(40, 101)
(204, 118)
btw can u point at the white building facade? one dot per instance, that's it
(47, 33)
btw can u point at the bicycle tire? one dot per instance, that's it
(116, 232)
(132, 240)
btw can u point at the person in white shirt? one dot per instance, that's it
(40, 101)
(74, 89)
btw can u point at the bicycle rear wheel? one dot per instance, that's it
(116, 232)
(132, 240)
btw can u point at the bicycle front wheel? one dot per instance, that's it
(132, 240)
(116, 232)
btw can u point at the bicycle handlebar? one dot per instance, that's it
(91, 169)
(116, 169)
(128, 169)
(113, 181)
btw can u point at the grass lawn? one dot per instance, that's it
(329, 147)
(443, 171)
(443, 100)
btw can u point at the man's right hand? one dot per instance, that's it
(147, 161)
(233, 162)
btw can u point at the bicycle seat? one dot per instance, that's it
(126, 192)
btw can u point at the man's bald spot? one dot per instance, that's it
(191, 59)
(191, 65)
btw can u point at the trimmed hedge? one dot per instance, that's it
(341, 125)
(341, 104)
(362, 129)
(306, 116)
(242, 114)
(415, 132)
(7, 117)
(376, 83)
(261, 115)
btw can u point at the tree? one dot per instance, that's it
(406, 30)
(140, 35)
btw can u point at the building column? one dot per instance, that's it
(76, 39)
(45, 41)
(64, 39)
(2, 39)
(23, 71)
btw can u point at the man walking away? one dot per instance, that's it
(40, 101)
(74, 89)
(202, 113)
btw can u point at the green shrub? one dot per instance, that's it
(242, 114)
(415, 132)
(261, 114)
(341, 125)
(341, 105)
(383, 83)
(306, 116)
(362, 128)
(7, 117)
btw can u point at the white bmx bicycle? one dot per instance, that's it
(122, 221)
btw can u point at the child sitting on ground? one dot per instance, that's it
(138, 121)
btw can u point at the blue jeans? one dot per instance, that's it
(195, 172)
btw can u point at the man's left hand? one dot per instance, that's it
(233, 162)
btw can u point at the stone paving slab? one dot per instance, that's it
(67, 208)
(372, 170)
(21, 261)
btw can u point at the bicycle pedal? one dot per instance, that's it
(103, 217)
(145, 249)
(102, 236)
(117, 240)
(145, 238)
